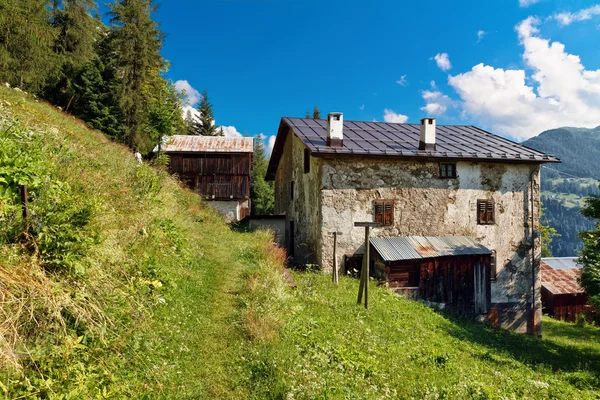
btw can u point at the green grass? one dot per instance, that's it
(169, 303)
(332, 348)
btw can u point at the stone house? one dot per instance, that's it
(418, 181)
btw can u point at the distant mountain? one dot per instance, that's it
(564, 186)
(578, 148)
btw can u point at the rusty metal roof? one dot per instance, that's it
(561, 281)
(419, 247)
(453, 142)
(207, 144)
(561, 262)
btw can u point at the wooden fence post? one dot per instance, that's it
(24, 202)
(364, 276)
(335, 273)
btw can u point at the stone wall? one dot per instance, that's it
(430, 206)
(303, 209)
(230, 210)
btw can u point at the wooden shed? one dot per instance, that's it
(218, 168)
(562, 295)
(450, 270)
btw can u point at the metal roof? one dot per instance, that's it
(561, 262)
(453, 142)
(207, 144)
(419, 247)
(561, 281)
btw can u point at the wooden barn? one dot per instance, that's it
(452, 270)
(218, 168)
(562, 295)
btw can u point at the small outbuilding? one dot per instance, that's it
(562, 295)
(452, 270)
(217, 168)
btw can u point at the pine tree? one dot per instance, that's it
(262, 193)
(205, 124)
(307, 115)
(316, 113)
(138, 42)
(74, 46)
(26, 57)
(189, 123)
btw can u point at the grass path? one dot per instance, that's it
(195, 341)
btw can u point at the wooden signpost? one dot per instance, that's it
(364, 273)
(334, 276)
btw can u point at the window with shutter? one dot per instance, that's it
(485, 212)
(384, 212)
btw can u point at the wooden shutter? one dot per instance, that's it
(485, 212)
(379, 211)
(480, 211)
(389, 213)
(489, 212)
(384, 212)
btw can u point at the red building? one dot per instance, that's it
(562, 295)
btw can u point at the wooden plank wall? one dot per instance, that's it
(223, 176)
(462, 282)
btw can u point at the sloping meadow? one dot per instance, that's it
(112, 253)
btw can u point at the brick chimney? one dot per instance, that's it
(335, 129)
(427, 141)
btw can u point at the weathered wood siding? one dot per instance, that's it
(461, 282)
(214, 176)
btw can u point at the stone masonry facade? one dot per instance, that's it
(339, 191)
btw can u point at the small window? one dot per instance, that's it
(384, 212)
(448, 170)
(493, 270)
(292, 190)
(306, 161)
(485, 212)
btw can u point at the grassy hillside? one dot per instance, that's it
(121, 285)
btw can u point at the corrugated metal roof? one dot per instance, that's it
(419, 247)
(454, 142)
(207, 144)
(561, 262)
(561, 281)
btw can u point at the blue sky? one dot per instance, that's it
(514, 67)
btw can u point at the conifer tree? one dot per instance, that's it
(590, 255)
(26, 57)
(138, 42)
(316, 113)
(189, 123)
(77, 33)
(262, 193)
(205, 124)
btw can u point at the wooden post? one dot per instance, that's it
(24, 202)
(364, 276)
(334, 275)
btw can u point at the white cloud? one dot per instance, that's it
(402, 81)
(391, 116)
(437, 103)
(443, 61)
(480, 35)
(192, 96)
(558, 92)
(230, 131)
(362, 107)
(527, 3)
(566, 18)
(270, 144)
